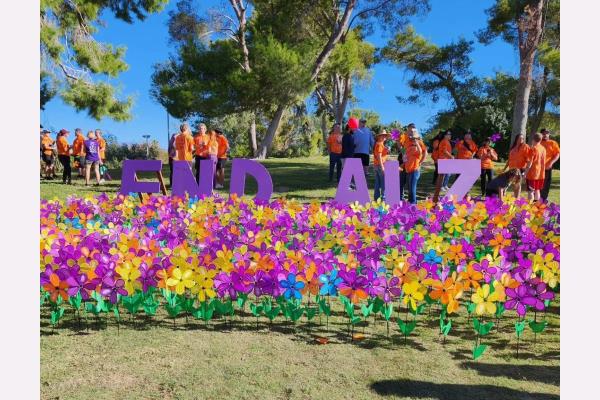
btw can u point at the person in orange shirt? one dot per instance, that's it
(434, 154)
(466, 148)
(402, 142)
(172, 152)
(63, 149)
(223, 148)
(487, 155)
(184, 143)
(78, 151)
(200, 148)
(536, 168)
(552, 155)
(517, 159)
(444, 153)
(213, 151)
(416, 151)
(47, 146)
(102, 146)
(380, 156)
(334, 145)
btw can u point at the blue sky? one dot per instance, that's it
(147, 44)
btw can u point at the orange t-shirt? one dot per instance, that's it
(184, 144)
(537, 157)
(78, 145)
(464, 152)
(414, 156)
(200, 145)
(381, 150)
(334, 142)
(213, 146)
(552, 149)
(223, 146)
(517, 157)
(435, 145)
(102, 148)
(47, 144)
(444, 146)
(487, 155)
(62, 146)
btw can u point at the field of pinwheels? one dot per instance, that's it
(471, 283)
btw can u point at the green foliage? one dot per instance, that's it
(72, 59)
(117, 152)
(372, 117)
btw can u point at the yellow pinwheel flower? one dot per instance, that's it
(129, 274)
(181, 280)
(485, 300)
(204, 287)
(454, 224)
(413, 293)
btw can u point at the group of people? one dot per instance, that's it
(530, 163)
(87, 154)
(204, 145)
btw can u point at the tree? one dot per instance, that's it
(297, 37)
(437, 71)
(519, 22)
(73, 61)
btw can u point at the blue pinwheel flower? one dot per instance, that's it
(292, 287)
(330, 283)
(432, 257)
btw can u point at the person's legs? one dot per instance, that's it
(413, 179)
(88, 167)
(435, 173)
(338, 167)
(482, 184)
(438, 187)
(547, 182)
(66, 163)
(97, 171)
(197, 168)
(446, 180)
(403, 181)
(378, 182)
(222, 172)
(331, 166)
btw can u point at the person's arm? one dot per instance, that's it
(448, 153)
(554, 159)
(501, 194)
(494, 155)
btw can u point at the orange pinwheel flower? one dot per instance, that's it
(448, 292)
(471, 277)
(455, 253)
(311, 279)
(56, 288)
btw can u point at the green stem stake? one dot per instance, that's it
(406, 322)
(518, 339)
(534, 332)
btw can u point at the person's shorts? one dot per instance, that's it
(48, 158)
(221, 163)
(92, 163)
(364, 158)
(535, 184)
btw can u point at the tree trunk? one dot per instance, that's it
(252, 136)
(341, 107)
(536, 119)
(519, 123)
(266, 143)
(324, 127)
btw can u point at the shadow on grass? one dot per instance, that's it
(449, 391)
(539, 373)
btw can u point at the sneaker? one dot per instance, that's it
(102, 180)
(219, 186)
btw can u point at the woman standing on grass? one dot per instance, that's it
(63, 149)
(517, 159)
(487, 155)
(334, 145)
(434, 154)
(380, 155)
(92, 158)
(415, 154)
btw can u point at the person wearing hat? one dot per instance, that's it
(380, 155)
(416, 151)
(63, 149)
(402, 142)
(223, 148)
(47, 146)
(444, 153)
(552, 155)
(334, 145)
(363, 144)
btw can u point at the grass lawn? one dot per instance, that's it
(156, 359)
(302, 178)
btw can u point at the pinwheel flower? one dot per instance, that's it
(292, 287)
(485, 300)
(111, 288)
(519, 299)
(353, 286)
(413, 293)
(56, 288)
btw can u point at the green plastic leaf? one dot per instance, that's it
(272, 313)
(538, 327)
(324, 307)
(75, 301)
(519, 327)
(445, 328)
(478, 351)
(256, 309)
(406, 327)
(366, 310)
(482, 329)
(56, 315)
(471, 307)
(500, 309)
(378, 304)
(296, 313)
(173, 310)
(310, 312)
(418, 310)
(387, 311)
(241, 300)
(355, 320)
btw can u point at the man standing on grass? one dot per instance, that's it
(222, 151)
(552, 155)
(47, 146)
(403, 142)
(536, 168)
(78, 151)
(200, 148)
(184, 143)
(363, 144)
(334, 145)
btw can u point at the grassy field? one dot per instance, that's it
(156, 359)
(244, 359)
(302, 178)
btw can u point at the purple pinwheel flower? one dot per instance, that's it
(241, 280)
(519, 298)
(539, 292)
(292, 287)
(391, 289)
(111, 288)
(488, 271)
(147, 277)
(224, 285)
(80, 284)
